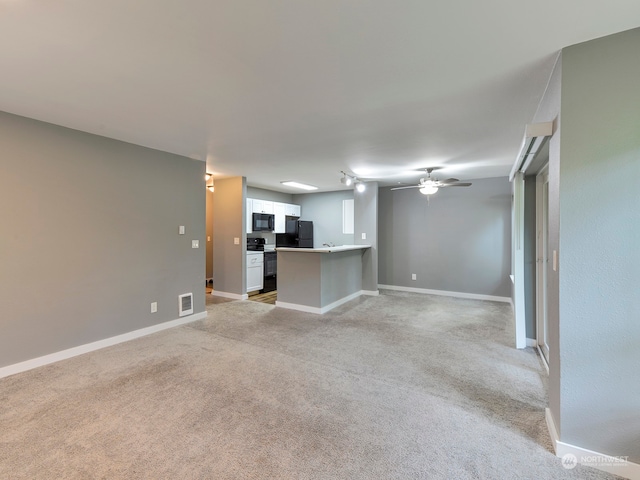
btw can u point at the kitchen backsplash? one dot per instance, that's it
(269, 237)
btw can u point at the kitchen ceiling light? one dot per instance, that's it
(360, 187)
(302, 186)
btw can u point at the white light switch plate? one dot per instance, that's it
(236, 240)
(414, 276)
(364, 236)
(195, 244)
(154, 307)
(181, 229)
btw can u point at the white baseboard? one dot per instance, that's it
(234, 296)
(532, 342)
(298, 307)
(444, 293)
(371, 293)
(90, 347)
(319, 310)
(544, 360)
(607, 463)
(551, 426)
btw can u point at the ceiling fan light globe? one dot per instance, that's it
(428, 190)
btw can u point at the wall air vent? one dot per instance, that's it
(185, 304)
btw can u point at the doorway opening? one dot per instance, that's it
(267, 297)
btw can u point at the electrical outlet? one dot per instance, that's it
(154, 307)
(414, 276)
(195, 244)
(364, 236)
(236, 240)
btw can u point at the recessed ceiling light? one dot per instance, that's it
(302, 186)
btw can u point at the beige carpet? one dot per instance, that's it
(399, 386)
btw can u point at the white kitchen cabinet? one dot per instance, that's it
(249, 215)
(292, 210)
(255, 272)
(279, 211)
(262, 206)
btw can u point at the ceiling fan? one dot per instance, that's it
(429, 186)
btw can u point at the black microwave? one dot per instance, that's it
(263, 222)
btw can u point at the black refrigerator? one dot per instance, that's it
(298, 234)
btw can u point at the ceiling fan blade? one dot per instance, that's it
(455, 185)
(411, 186)
(450, 180)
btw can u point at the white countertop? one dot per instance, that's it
(338, 248)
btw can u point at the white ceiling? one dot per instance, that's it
(298, 89)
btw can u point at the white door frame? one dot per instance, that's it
(542, 259)
(518, 260)
(535, 136)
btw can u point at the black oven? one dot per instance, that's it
(255, 244)
(263, 222)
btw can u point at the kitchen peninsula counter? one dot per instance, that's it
(337, 248)
(317, 280)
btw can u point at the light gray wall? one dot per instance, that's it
(229, 259)
(366, 221)
(599, 260)
(341, 275)
(269, 195)
(299, 278)
(325, 211)
(90, 237)
(461, 242)
(318, 279)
